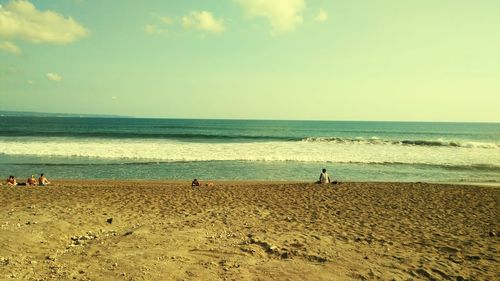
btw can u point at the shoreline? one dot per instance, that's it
(167, 230)
(58, 182)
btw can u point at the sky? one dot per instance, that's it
(414, 60)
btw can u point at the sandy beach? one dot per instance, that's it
(137, 230)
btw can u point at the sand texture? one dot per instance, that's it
(133, 230)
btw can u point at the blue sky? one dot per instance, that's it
(283, 59)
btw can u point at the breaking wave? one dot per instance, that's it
(375, 141)
(310, 150)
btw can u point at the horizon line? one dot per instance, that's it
(104, 116)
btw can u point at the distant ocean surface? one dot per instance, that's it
(129, 148)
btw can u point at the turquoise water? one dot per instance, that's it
(128, 148)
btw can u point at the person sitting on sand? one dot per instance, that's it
(11, 181)
(195, 183)
(31, 181)
(324, 177)
(43, 181)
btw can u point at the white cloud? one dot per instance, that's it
(322, 16)
(204, 21)
(54, 77)
(152, 29)
(283, 15)
(10, 47)
(114, 97)
(159, 26)
(20, 19)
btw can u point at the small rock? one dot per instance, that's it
(4, 261)
(284, 255)
(472, 258)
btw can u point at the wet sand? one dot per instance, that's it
(136, 230)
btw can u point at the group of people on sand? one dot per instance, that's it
(32, 181)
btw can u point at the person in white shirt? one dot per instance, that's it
(324, 177)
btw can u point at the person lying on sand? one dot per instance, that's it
(31, 181)
(43, 181)
(197, 183)
(11, 181)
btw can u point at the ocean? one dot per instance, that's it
(135, 148)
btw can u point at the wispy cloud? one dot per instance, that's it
(20, 19)
(167, 20)
(54, 77)
(153, 29)
(321, 17)
(159, 26)
(283, 15)
(203, 21)
(10, 47)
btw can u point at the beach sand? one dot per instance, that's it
(136, 230)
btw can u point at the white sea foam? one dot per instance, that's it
(375, 140)
(306, 151)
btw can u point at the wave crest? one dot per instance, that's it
(374, 141)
